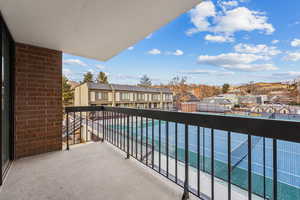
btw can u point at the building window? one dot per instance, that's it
(168, 97)
(125, 96)
(92, 96)
(155, 97)
(141, 97)
(102, 96)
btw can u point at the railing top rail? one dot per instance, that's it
(271, 128)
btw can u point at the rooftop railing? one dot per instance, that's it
(208, 155)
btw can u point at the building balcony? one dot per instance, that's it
(204, 156)
(91, 171)
(170, 155)
(150, 154)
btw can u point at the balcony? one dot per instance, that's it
(151, 154)
(183, 147)
(91, 171)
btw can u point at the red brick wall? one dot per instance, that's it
(38, 101)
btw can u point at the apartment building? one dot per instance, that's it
(89, 94)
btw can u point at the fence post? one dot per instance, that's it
(275, 169)
(185, 195)
(103, 128)
(68, 148)
(128, 153)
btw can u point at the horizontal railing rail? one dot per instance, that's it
(187, 148)
(258, 126)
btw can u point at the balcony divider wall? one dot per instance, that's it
(31, 114)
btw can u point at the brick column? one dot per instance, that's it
(38, 100)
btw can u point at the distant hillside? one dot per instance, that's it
(191, 92)
(279, 92)
(263, 88)
(288, 93)
(203, 91)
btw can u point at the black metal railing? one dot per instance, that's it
(211, 156)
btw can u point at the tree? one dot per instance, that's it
(145, 81)
(178, 83)
(225, 87)
(102, 78)
(67, 93)
(87, 77)
(180, 87)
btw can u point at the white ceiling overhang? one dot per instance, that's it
(96, 29)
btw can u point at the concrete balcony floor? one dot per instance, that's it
(91, 172)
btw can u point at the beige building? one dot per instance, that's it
(88, 94)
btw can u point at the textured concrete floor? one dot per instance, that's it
(89, 172)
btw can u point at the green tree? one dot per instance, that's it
(67, 93)
(145, 81)
(225, 87)
(102, 78)
(87, 77)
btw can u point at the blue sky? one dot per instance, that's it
(232, 41)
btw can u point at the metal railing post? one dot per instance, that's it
(98, 126)
(128, 153)
(274, 169)
(68, 148)
(103, 128)
(74, 133)
(185, 195)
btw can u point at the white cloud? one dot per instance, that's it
(274, 41)
(205, 18)
(218, 38)
(154, 52)
(229, 59)
(199, 17)
(75, 62)
(208, 72)
(178, 52)
(237, 61)
(130, 48)
(260, 49)
(228, 4)
(253, 67)
(101, 67)
(297, 22)
(289, 74)
(242, 19)
(295, 43)
(292, 56)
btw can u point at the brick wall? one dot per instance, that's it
(38, 101)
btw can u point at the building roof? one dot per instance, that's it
(277, 108)
(97, 29)
(99, 86)
(120, 87)
(216, 100)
